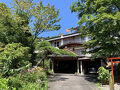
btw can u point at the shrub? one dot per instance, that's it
(103, 75)
(31, 86)
(31, 79)
(14, 82)
(14, 56)
(43, 44)
(3, 83)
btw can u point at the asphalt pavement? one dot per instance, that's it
(72, 82)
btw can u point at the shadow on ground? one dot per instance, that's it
(91, 78)
(56, 77)
(59, 77)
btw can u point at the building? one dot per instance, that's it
(67, 64)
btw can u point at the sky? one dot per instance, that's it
(68, 19)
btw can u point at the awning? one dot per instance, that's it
(67, 57)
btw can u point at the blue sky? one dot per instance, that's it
(68, 19)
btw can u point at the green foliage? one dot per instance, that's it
(12, 28)
(14, 82)
(46, 64)
(55, 51)
(103, 75)
(15, 24)
(14, 56)
(30, 79)
(31, 86)
(102, 21)
(46, 46)
(3, 84)
(18, 39)
(45, 17)
(43, 44)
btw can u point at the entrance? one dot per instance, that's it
(65, 66)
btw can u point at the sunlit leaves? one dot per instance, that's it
(14, 56)
(102, 21)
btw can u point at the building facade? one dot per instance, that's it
(67, 64)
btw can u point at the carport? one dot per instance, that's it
(65, 64)
(70, 64)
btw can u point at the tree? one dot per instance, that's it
(44, 18)
(41, 18)
(26, 21)
(102, 24)
(14, 56)
(45, 49)
(12, 27)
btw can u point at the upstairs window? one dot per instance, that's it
(56, 44)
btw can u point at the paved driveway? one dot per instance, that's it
(72, 82)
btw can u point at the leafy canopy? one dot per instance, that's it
(13, 27)
(102, 24)
(25, 21)
(45, 47)
(42, 18)
(14, 56)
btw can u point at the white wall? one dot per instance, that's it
(70, 39)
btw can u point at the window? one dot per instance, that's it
(56, 44)
(73, 49)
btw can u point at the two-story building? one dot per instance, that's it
(67, 64)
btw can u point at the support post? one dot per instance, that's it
(53, 66)
(112, 71)
(81, 68)
(78, 67)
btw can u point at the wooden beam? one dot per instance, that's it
(53, 66)
(81, 67)
(78, 71)
(113, 58)
(112, 71)
(116, 61)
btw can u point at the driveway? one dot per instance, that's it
(72, 82)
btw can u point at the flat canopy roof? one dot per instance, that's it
(51, 56)
(67, 57)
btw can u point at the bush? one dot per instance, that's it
(31, 86)
(14, 56)
(3, 83)
(43, 44)
(14, 82)
(103, 75)
(31, 79)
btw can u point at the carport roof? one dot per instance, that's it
(68, 56)
(52, 56)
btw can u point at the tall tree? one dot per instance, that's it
(41, 18)
(26, 21)
(102, 24)
(12, 27)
